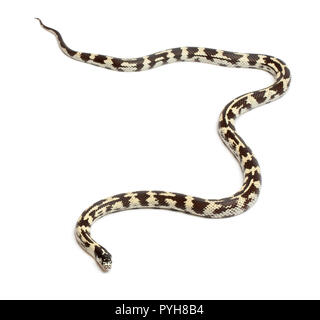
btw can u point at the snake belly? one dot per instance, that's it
(208, 208)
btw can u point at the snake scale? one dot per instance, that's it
(209, 208)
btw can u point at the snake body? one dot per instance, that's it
(209, 208)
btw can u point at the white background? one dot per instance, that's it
(72, 134)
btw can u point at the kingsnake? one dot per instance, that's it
(209, 208)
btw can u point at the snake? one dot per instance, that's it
(230, 206)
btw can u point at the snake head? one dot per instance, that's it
(103, 258)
